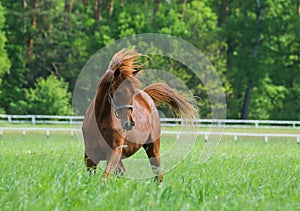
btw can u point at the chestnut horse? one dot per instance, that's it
(122, 118)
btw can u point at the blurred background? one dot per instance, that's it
(253, 45)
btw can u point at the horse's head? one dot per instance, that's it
(121, 99)
(122, 87)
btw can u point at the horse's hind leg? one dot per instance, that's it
(152, 150)
(91, 166)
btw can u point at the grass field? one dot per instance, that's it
(39, 173)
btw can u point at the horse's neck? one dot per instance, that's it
(102, 107)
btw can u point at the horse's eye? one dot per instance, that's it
(117, 72)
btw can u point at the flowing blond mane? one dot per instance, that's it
(126, 61)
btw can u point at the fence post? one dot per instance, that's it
(182, 123)
(235, 138)
(9, 118)
(256, 124)
(177, 136)
(266, 139)
(205, 137)
(298, 140)
(1, 132)
(47, 133)
(33, 121)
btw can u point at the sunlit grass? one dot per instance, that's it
(39, 173)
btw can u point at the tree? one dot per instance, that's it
(283, 57)
(49, 96)
(4, 60)
(15, 79)
(245, 69)
(262, 57)
(253, 45)
(44, 38)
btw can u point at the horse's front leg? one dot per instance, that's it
(120, 170)
(91, 166)
(152, 150)
(113, 159)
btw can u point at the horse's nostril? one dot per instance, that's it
(127, 126)
(132, 123)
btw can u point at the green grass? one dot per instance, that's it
(39, 173)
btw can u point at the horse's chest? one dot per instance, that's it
(137, 136)
(130, 149)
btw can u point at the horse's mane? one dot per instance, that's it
(125, 61)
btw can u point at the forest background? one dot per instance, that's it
(254, 45)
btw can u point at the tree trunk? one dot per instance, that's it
(97, 9)
(245, 108)
(31, 39)
(156, 6)
(68, 10)
(24, 16)
(244, 112)
(85, 2)
(258, 31)
(68, 6)
(223, 10)
(182, 2)
(111, 7)
(155, 9)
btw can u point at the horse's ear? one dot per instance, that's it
(117, 73)
(136, 72)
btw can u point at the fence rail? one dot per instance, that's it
(206, 134)
(41, 119)
(73, 120)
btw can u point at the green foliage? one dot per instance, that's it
(49, 96)
(283, 56)
(253, 45)
(4, 60)
(262, 56)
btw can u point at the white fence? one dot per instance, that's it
(48, 119)
(41, 119)
(234, 135)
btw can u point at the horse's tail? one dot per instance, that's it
(161, 92)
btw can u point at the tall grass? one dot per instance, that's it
(39, 173)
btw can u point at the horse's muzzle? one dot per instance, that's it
(128, 125)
